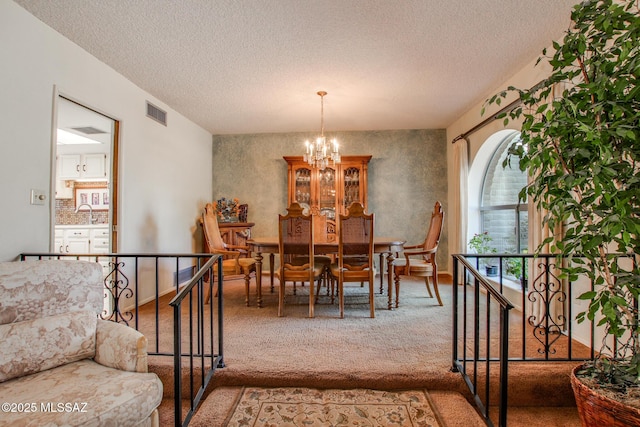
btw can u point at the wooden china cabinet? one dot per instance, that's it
(329, 192)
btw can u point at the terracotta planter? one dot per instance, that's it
(597, 411)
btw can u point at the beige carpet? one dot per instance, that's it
(404, 349)
(263, 407)
(407, 348)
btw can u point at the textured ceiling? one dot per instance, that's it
(254, 66)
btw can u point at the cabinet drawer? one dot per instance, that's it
(74, 233)
(100, 243)
(100, 233)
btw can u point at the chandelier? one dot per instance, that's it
(320, 153)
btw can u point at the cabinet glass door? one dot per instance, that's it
(303, 187)
(327, 196)
(351, 180)
(326, 221)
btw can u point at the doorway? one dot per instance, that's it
(85, 176)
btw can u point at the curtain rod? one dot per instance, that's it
(486, 121)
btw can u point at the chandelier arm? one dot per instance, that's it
(319, 154)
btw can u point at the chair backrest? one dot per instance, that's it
(296, 238)
(356, 234)
(211, 229)
(435, 228)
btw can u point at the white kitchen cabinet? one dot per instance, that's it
(59, 240)
(64, 189)
(82, 166)
(74, 241)
(81, 240)
(99, 240)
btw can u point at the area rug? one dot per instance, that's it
(295, 406)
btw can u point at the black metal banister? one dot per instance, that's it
(217, 360)
(137, 281)
(486, 284)
(547, 331)
(504, 306)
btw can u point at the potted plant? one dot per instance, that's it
(580, 144)
(513, 267)
(481, 244)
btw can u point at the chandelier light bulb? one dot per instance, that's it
(319, 154)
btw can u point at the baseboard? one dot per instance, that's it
(148, 300)
(184, 275)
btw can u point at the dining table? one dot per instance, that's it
(384, 246)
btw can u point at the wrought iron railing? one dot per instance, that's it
(137, 291)
(198, 358)
(522, 301)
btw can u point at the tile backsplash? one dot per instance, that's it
(66, 208)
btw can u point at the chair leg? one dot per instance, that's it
(435, 287)
(281, 299)
(320, 280)
(426, 282)
(327, 280)
(312, 300)
(341, 296)
(396, 279)
(332, 281)
(247, 279)
(272, 257)
(207, 293)
(372, 301)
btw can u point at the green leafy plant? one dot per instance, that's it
(580, 144)
(481, 243)
(513, 267)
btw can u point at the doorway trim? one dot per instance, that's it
(113, 166)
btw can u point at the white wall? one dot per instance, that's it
(165, 172)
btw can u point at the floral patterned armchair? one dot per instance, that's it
(59, 363)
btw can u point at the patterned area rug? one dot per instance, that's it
(310, 407)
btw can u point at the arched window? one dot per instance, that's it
(502, 215)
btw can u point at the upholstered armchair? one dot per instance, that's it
(420, 260)
(58, 357)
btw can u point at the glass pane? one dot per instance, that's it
(502, 184)
(501, 226)
(524, 231)
(500, 190)
(303, 186)
(351, 186)
(327, 181)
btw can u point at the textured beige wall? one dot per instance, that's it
(407, 174)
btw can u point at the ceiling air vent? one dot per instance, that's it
(89, 130)
(156, 114)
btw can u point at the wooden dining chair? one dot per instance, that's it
(236, 259)
(355, 261)
(420, 260)
(297, 254)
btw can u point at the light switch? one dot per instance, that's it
(38, 197)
